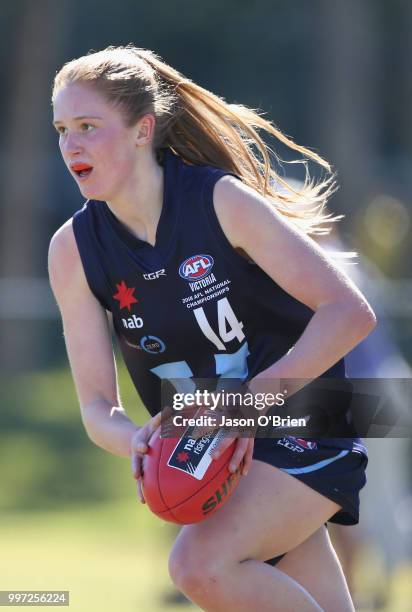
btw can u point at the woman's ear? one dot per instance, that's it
(145, 129)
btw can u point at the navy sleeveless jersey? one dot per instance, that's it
(191, 305)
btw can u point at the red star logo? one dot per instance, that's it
(125, 296)
(182, 457)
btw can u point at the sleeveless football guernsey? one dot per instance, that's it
(191, 305)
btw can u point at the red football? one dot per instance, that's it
(182, 483)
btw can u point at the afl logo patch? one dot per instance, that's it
(196, 267)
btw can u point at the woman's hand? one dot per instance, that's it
(244, 446)
(243, 451)
(139, 446)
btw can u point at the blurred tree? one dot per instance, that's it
(37, 41)
(346, 125)
(333, 75)
(405, 98)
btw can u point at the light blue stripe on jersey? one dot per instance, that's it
(314, 466)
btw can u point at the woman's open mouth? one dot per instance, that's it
(82, 170)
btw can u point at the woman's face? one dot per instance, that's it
(97, 147)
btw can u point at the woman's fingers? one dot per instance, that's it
(137, 467)
(140, 444)
(243, 451)
(247, 460)
(239, 453)
(222, 446)
(155, 422)
(211, 418)
(138, 449)
(140, 491)
(134, 464)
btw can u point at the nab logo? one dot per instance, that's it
(133, 322)
(154, 275)
(196, 267)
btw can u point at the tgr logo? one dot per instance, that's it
(196, 267)
(154, 275)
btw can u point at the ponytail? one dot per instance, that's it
(202, 128)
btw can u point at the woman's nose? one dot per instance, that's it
(72, 144)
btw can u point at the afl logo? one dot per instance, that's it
(196, 267)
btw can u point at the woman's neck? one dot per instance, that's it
(140, 204)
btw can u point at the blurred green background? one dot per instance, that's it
(70, 514)
(335, 75)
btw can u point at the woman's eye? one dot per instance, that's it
(84, 127)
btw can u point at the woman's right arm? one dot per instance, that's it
(89, 347)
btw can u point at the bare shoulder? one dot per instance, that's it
(63, 248)
(242, 210)
(233, 190)
(290, 257)
(64, 263)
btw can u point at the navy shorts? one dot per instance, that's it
(335, 473)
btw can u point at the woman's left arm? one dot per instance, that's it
(342, 316)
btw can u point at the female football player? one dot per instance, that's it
(204, 256)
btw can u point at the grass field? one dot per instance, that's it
(114, 557)
(70, 518)
(110, 557)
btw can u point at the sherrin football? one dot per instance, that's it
(182, 483)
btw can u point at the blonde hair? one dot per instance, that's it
(202, 128)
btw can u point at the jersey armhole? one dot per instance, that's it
(223, 242)
(91, 265)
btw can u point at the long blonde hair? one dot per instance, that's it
(202, 128)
